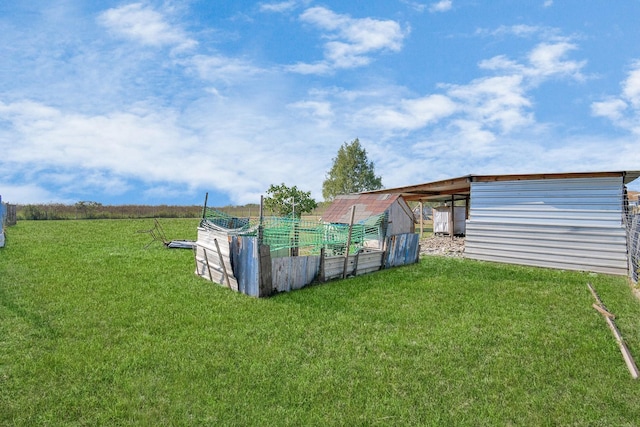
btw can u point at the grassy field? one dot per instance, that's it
(96, 330)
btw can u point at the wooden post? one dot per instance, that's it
(265, 287)
(452, 225)
(467, 200)
(355, 263)
(206, 259)
(346, 251)
(322, 276)
(421, 219)
(626, 354)
(224, 268)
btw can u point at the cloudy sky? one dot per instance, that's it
(159, 102)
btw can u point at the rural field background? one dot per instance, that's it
(97, 330)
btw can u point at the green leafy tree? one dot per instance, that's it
(351, 172)
(285, 201)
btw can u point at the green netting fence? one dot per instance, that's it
(306, 237)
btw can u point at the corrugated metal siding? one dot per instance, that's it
(402, 249)
(246, 264)
(573, 224)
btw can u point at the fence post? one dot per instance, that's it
(265, 283)
(346, 251)
(321, 274)
(204, 208)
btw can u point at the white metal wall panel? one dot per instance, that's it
(573, 224)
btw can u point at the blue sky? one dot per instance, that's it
(159, 102)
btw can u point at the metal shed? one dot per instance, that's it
(574, 221)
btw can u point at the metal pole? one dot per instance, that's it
(260, 220)
(204, 209)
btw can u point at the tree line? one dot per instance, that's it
(95, 210)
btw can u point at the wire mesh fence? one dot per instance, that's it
(633, 245)
(302, 236)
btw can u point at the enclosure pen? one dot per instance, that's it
(280, 254)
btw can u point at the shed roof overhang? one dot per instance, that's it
(460, 188)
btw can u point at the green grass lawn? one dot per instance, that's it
(96, 330)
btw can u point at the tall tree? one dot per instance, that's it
(285, 201)
(351, 172)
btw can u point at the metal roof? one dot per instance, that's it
(460, 188)
(367, 205)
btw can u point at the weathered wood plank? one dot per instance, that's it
(266, 277)
(368, 261)
(214, 273)
(213, 257)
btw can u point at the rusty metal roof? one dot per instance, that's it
(367, 205)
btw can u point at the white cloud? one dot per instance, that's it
(623, 111)
(351, 41)
(498, 102)
(216, 121)
(141, 23)
(407, 114)
(502, 63)
(283, 6)
(548, 59)
(521, 30)
(320, 68)
(631, 86)
(218, 68)
(477, 115)
(547, 3)
(418, 7)
(320, 111)
(612, 109)
(441, 6)
(227, 145)
(31, 193)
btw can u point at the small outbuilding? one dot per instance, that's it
(398, 217)
(573, 221)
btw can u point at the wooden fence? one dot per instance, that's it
(241, 264)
